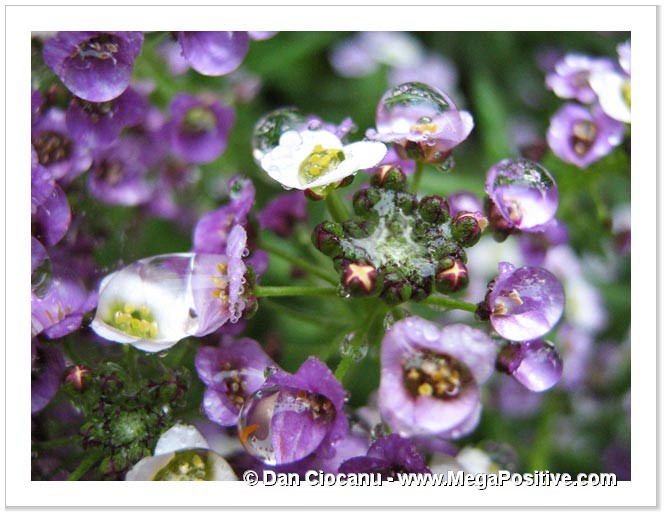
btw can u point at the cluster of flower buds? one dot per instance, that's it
(399, 247)
(124, 419)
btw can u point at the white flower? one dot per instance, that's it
(613, 90)
(316, 158)
(182, 454)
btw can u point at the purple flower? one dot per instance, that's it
(570, 76)
(536, 364)
(99, 124)
(422, 121)
(430, 377)
(523, 192)
(118, 176)
(47, 365)
(214, 53)
(199, 128)
(464, 201)
(59, 309)
(283, 213)
(513, 399)
(231, 372)
(624, 56)
(172, 53)
(388, 456)
(294, 415)
(433, 69)
(37, 254)
(56, 149)
(534, 245)
(524, 303)
(213, 228)
(155, 302)
(582, 136)
(41, 182)
(95, 66)
(52, 218)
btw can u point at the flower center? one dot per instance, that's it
(95, 111)
(184, 466)
(424, 125)
(220, 284)
(318, 163)
(134, 321)
(626, 91)
(583, 137)
(237, 388)
(507, 302)
(199, 120)
(429, 374)
(103, 48)
(52, 147)
(110, 172)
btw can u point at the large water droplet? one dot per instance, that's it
(411, 107)
(352, 348)
(270, 127)
(524, 192)
(41, 278)
(280, 425)
(539, 365)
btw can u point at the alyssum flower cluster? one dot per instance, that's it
(392, 253)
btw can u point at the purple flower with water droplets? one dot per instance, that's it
(36, 101)
(294, 415)
(199, 128)
(523, 192)
(283, 213)
(524, 303)
(388, 456)
(430, 377)
(41, 182)
(172, 53)
(433, 69)
(536, 364)
(47, 365)
(214, 53)
(582, 136)
(59, 309)
(99, 124)
(118, 176)
(56, 149)
(422, 121)
(95, 66)
(231, 372)
(570, 76)
(37, 254)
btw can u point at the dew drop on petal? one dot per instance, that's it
(269, 128)
(540, 366)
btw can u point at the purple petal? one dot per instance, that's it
(214, 53)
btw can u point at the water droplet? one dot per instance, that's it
(351, 348)
(269, 128)
(273, 420)
(540, 365)
(270, 371)
(446, 165)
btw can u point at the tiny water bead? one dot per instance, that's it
(398, 247)
(274, 419)
(536, 364)
(524, 193)
(353, 348)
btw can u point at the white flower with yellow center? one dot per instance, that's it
(317, 158)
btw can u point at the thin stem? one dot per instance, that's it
(448, 302)
(266, 291)
(276, 250)
(336, 207)
(417, 177)
(85, 466)
(56, 442)
(358, 339)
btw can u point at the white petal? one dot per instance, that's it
(179, 438)
(221, 470)
(146, 469)
(359, 155)
(609, 88)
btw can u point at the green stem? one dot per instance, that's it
(417, 177)
(266, 291)
(336, 207)
(56, 442)
(87, 463)
(276, 250)
(359, 336)
(301, 315)
(448, 302)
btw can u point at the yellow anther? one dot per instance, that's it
(325, 161)
(129, 308)
(516, 297)
(218, 281)
(413, 374)
(145, 326)
(197, 461)
(144, 311)
(152, 330)
(136, 324)
(425, 389)
(429, 367)
(222, 268)
(500, 309)
(425, 127)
